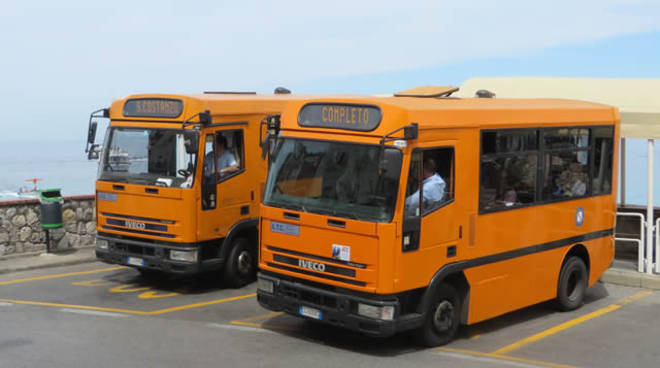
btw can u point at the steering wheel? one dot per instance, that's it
(183, 172)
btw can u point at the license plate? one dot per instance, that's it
(134, 261)
(310, 312)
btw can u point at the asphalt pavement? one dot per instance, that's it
(95, 314)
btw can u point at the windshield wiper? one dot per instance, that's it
(288, 206)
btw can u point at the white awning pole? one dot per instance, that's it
(649, 211)
(623, 171)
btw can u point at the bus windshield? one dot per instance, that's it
(340, 179)
(148, 157)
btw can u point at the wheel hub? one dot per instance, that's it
(244, 262)
(443, 316)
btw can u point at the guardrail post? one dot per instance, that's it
(657, 245)
(641, 260)
(649, 209)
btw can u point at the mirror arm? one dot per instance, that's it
(204, 119)
(105, 113)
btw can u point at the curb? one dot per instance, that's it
(34, 262)
(630, 278)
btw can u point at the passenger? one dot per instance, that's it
(510, 197)
(433, 187)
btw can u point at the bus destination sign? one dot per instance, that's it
(153, 107)
(362, 118)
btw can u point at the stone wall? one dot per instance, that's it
(21, 231)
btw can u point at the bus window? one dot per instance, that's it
(509, 163)
(602, 176)
(435, 171)
(229, 156)
(566, 163)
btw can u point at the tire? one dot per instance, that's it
(572, 284)
(442, 317)
(241, 266)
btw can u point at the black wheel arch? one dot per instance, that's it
(248, 228)
(453, 275)
(580, 251)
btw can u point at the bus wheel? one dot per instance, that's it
(442, 317)
(241, 266)
(572, 284)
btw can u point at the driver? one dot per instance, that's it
(433, 188)
(226, 162)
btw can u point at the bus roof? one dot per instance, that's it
(432, 113)
(216, 103)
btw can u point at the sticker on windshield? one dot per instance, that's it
(341, 252)
(289, 229)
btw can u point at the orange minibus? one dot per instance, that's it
(180, 180)
(425, 212)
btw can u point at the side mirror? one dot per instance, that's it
(410, 131)
(93, 153)
(205, 117)
(91, 133)
(191, 142)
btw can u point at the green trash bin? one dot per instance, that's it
(51, 208)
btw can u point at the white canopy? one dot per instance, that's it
(638, 100)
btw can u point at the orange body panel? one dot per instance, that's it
(174, 216)
(521, 276)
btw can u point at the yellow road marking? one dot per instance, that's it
(129, 311)
(97, 282)
(505, 357)
(262, 316)
(75, 306)
(59, 275)
(128, 289)
(156, 295)
(571, 323)
(204, 304)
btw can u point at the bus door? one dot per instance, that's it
(225, 189)
(431, 224)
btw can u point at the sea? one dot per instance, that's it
(59, 164)
(63, 164)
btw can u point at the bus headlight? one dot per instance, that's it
(265, 285)
(183, 255)
(385, 313)
(101, 244)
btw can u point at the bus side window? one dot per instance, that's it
(229, 155)
(603, 157)
(435, 174)
(509, 163)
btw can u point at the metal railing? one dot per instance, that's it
(642, 262)
(657, 245)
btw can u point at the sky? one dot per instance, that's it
(62, 60)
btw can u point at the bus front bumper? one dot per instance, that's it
(338, 309)
(153, 256)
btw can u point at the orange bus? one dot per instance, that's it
(426, 212)
(180, 180)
